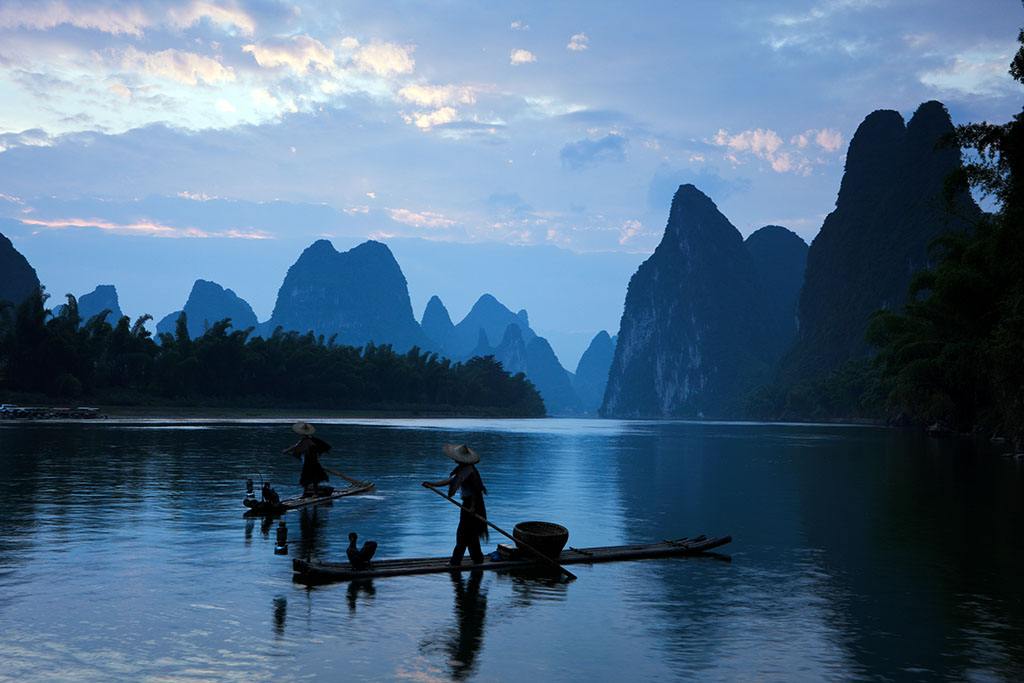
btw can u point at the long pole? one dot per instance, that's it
(343, 475)
(517, 541)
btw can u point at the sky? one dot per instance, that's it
(143, 142)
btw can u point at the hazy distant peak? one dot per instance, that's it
(775, 233)
(512, 334)
(435, 309)
(437, 323)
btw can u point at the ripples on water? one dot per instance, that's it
(858, 553)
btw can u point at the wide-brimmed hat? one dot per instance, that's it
(303, 428)
(461, 453)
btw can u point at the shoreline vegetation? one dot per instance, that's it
(74, 360)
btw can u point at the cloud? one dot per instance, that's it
(578, 42)
(437, 95)
(824, 10)
(767, 145)
(427, 120)
(298, 53)
(145, 227)
(385, 59)
(41, 16)
(520, 56)
(197, 196)
(122, 19)
(629, 231)
(760, 142)
(583, 153)
(519, 25)
(263, 100)
(225, 106)
(829, 139)
(441, 98)
(33, 137)
(184, 67)
(224, 15)
(121, 90)
(420, 219)
(978, 72)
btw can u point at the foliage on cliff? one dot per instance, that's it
(956, 353)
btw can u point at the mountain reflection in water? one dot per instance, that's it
(858, 552)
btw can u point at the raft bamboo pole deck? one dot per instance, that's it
(261, 509)
(315, 572)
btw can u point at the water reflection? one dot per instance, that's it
(857, 553)
(355, 589)
(535, 585)
(460, 644)
(312, 530)
(280, 614)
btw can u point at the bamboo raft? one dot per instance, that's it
(258, 508)
(312, 572)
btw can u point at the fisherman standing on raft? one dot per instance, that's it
(466, 477)
(309, 448)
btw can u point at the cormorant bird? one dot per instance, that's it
(359, 558)
(270, 495)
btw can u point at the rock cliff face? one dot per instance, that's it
(890, 207)
(360, 295)
(692, 340)
(103, 298)
(18, 279)
(780, 258)
(209, 303)
(591, 375)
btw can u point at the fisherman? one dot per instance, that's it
(466, 478)
(309, 448)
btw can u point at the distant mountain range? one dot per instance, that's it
(708, 317)
(209, 303)
(492, 329)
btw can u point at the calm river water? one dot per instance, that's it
(858, 553)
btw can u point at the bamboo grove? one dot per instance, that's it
(61, 355)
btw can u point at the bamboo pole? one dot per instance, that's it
(343, 476)
(501, 531)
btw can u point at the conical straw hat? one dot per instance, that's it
(461, 453)
(303, 428)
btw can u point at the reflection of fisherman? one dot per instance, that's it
(309, 448)
(470, 610)
(466, 478)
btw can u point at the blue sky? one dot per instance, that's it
(217, 124)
